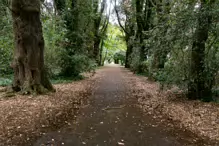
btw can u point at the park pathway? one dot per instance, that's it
(112, 119)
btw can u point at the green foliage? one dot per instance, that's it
(54, 36)
(120, 57)
(165, 45)
(73, 65)
(63, 79)
(135, 57)
(75, 56)
(175, 70)
(175, 40)
(67, 46)
(6, 43)
(61, 56)
(5, 81)
(114, 45)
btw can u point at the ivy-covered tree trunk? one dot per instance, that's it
(159, 59)
(139, 20)
(129, 31)
(96, 51)
(143, 14)
(97, 33)
(29, 70)
(128, 55)
(197, 86)
(160, 55)
(59, 6)
(101, 55)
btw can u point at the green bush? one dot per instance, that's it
(119, 56)
(5, 81)
(6, 44)
(54, 36)
(73, 65)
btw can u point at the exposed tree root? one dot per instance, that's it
(3, 90)
(35, 90)
(7, 95)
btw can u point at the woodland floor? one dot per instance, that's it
(114, 107)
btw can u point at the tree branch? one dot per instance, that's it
(118, 19)
(152, 3)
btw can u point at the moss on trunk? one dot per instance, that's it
(28, 64)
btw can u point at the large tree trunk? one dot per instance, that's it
(198, 87)
(29, 71)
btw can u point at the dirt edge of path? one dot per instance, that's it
(198, 117)
(24, 118)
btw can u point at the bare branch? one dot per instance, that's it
(152, 3)
(118, 19)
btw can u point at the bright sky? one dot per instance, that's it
(110, 8)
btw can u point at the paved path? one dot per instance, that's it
(112, 119)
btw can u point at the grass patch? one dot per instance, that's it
(6, 80)
(142, 74)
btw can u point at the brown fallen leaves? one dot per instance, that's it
(26, 117)
(198, 117)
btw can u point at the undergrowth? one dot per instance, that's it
(7, 80)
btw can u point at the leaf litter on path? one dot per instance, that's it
(196, 116)
(23, 118)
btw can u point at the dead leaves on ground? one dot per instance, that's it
(23, 117)
(201, 118)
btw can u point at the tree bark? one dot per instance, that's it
(29, 71)
(128, 51)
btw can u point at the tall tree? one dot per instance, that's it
(29, 71)
(143, 19)
(159, 55)
(126, 10)
(97, 31)
(198, 87)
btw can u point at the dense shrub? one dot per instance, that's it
(6, 44)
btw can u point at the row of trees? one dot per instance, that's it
(173, 41)
(72, 31)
